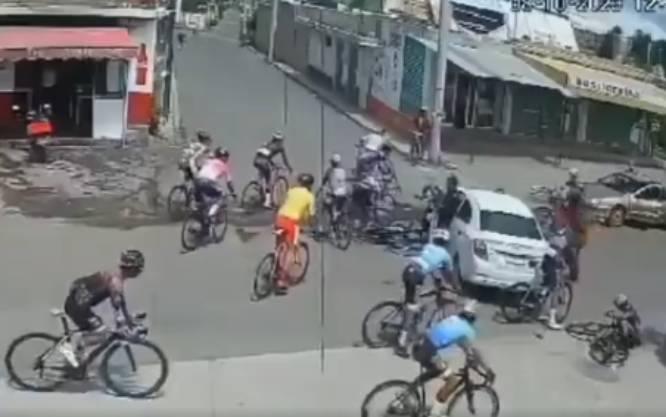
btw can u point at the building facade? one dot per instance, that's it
(103, 66)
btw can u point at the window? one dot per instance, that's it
(649, 193)
(465, 212)
(509, 224)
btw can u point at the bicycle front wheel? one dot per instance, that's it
(252, 196)
(264, 277)
(192, 232)
(220, 224)
(482, 401)
(178, 201)
(37, 355)
(342, 232)
(126, 366)
(585, 331)
(390, 316)
(605, 350)
(562, 298)
(279, 191)
(400, 399)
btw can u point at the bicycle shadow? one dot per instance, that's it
(85, 386)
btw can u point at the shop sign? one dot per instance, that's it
(606, 88)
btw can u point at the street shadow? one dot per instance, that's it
(591, 370)
(655, 334)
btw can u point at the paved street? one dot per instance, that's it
(199, 305)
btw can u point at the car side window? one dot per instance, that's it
(465, 211)
(649, 193)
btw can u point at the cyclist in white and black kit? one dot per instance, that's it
(334, 186)
(263, 161)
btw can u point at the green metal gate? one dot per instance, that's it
(413, 71)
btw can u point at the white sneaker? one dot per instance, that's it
(67, 351)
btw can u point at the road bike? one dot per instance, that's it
(292, 260)
(203, 224)
(252, 197)
(332, 222)
(181, 197)
(391, 317)
(607, 343)
(410, 399)
(52, 368)
(524, 301)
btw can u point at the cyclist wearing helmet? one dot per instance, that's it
(450, 202)
(298, 208)
(195, 154)
(576, 231)
(630, 320)
(434, 260)
(263, 161)
(434, 353)
(334, 184)
(209, 179)
(88, 292)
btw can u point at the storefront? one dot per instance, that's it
(611, 108)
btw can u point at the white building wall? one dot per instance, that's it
(387, 69)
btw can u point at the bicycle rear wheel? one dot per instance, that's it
(342, 232)
(125, 361)
(295, 262)
(512, 302)
(192, 232)
(252, 196)
(178, 202)
(562, 298)
(391, 318)
(405, 401)
(605, 350)
(264, 277)
(472, 394)
(45, 361)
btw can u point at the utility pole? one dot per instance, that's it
(271, 40)
(445, 15)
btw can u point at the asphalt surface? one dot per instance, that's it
(198, 303)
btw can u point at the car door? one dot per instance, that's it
(646, 204)
(462, 242)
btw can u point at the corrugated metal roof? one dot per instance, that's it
(494, 60)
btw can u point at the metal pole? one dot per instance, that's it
(274, 22)
(285, 102)
(322, 252)
(442, 52)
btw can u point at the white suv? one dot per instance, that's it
(495, 239)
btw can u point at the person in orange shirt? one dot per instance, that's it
(297, 209)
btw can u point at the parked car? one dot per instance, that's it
(627, 195)
(495, 239)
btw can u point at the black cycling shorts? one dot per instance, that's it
(425, 354)
(82, 315)
(263, 165)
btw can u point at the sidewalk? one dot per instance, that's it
(478, 142)
(548, 377)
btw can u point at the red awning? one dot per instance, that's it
(32, 42)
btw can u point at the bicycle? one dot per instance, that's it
(524, 301)
(274, 263)
(253, 196)
(181, 196)
(411, 397)
(200, 225)
(607, 344)
(52, 362)
(332, 222)
(393, 321)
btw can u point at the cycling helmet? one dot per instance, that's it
(573, 172)
(621, 301)
(469, 311)
(452, 181)
(132, 259)
(336, 158)
(439, 237)
(277, 136)
(221, 152)
(306, 180)
(203, 136)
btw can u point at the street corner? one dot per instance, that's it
(86, 183)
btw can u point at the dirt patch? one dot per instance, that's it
(110, 187)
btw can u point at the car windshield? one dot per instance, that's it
(622, 183)
(509, 224)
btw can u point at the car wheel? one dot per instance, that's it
(616, 217)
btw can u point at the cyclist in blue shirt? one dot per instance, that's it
(434, 260)
(457, 330)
